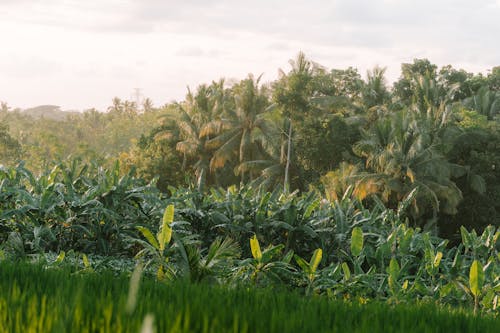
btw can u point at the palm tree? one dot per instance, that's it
(485, 102)
(117, 106)
(375, 92)
(292, 93)
(194, 115)
(244, 131)
(147, 105)
(400, 156)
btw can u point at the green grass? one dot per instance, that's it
(33, 299)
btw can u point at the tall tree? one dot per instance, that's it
(244, 131)
(375, 92)
(292, 94)
(404, 88)
(195, 115)
(400, 156)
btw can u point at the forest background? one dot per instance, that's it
(434, 129)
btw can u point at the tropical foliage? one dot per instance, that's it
(246, 236)
(320, 182)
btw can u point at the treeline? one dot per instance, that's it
(44, 136)
(434, 130)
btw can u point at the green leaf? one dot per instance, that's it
(405, 285)
(394, 269)
(356, 241)
(288, 257)
(168, 215)
(310, 208)
(406, 202)
(437, 259)
(149, 236)
(466, 238)
(255, 247)
(303, 264)
(346, 270)
(60, 257)
(165, 233)
(53, 175)
(315, 260)
(86, 262)
(476, 278)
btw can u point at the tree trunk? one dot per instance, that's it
(286, 185)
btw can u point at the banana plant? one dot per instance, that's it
(483, 284)
(309, 268)
(264, 267)
(357, 242)
(155, 246)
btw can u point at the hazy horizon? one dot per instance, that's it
(79, 55)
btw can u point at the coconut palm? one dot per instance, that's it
(244, 131)
(375, 92)
(400, 156)
(194, 114)
(292, 94)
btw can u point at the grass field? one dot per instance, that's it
(34, 299)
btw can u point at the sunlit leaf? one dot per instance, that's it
(149, 236)
(356, 241)
(346, 270)
(476, 278)
(165, 232)
(315, 260)
(255, 247)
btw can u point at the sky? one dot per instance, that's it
(80, 54)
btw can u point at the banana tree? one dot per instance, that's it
(265, 267)
(309, 268)
(157, 246)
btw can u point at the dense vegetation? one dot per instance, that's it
(434, 129)
(36, 300)
(320, 183)
(244, 236)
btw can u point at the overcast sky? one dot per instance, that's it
(80, 54)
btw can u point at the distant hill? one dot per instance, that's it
(49, 112)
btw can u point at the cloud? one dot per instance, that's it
(164, 45)
(198, 52)
(29, 67)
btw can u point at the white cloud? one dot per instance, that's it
(80, 54)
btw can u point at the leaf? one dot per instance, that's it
(165, 233)
(476, 278)
(406, 202)
(288, 257)
(255, 247)
(86, 262)
(303, 264)
(466, 238)
(346, 270)
(60, 257)
(315, 260)
(310, 208)
(437, 259)
(356, 241)
(149, 236)
(394, 269)
(392, 284)
(405, 285)
(168, 215)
